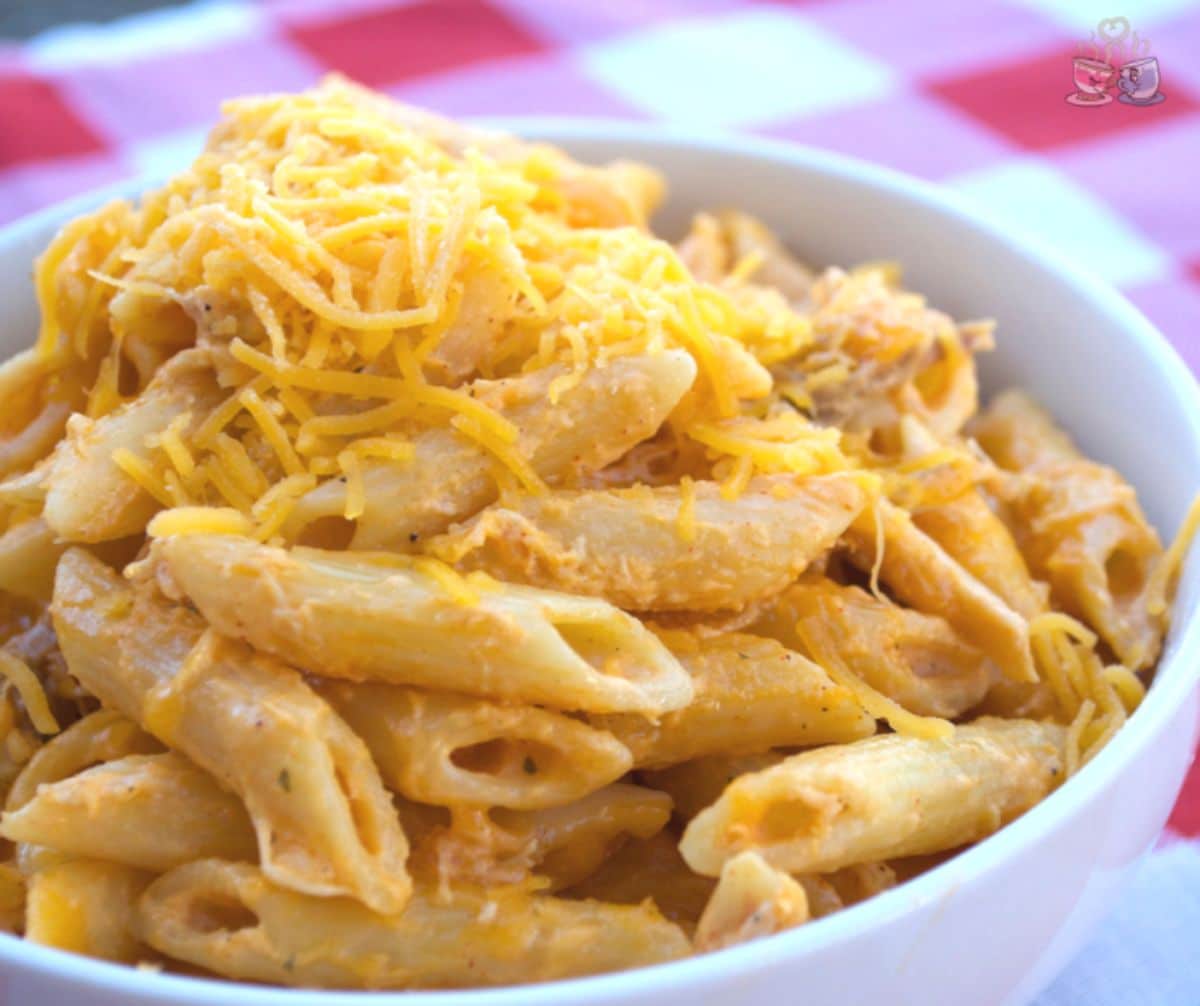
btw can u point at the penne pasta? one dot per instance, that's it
(38, 397)
(450, 477)
(89, 497)
(860, 881)
(151, 811)
(87, 907)
(823, 897)
(1018, 434)
(323, 821)
(831, 892)
(641, 550)
(561, 846)
(649, 868)
(416, 623)
(971, 533)
(748, 237)
(914, 659)
(752, 899)
(29, 551)
(944, 394)
(693, 785)
(752, 694)
(441, 748)
(919, 572)
(102, 736)
(230, 919)
(1080, 526)
(881, 798)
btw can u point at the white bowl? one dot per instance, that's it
(996, 923)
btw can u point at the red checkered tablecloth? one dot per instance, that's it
(969, 95)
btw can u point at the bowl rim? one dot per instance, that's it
(1163, 696)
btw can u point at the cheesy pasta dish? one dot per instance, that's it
(415, 573)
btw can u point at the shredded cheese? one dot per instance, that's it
(685, 520)
(815, 637)
(1074, 743)
(33, 695)
(1158, 590)
(199, 520)
(446, 577)
(333, 249)
(143, 473)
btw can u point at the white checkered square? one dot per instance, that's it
(1031, 196)
(1080, 16)
(154, 33)
(742, 69)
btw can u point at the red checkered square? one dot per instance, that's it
(36, 124)
(1185, 819)
(1025, 100)
(400, 43)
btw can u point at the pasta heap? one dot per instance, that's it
(416, 573)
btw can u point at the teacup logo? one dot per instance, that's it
(1114, 55)
(1139, 82)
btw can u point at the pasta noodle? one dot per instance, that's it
(435, 747)
(229, 918)
(154, 812)
(825, 809)
(752, 694)
(391, 620)
(751, 900)
(627, 545)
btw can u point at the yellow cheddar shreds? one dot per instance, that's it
(263, 309)
(227, 490)
(746, 266)
(273, 431)
(735, 482)
(828, 376)
(880, 548)
(238, 466)
(1127, 685)
(1051, 669)
(199, 520)
(783, 443)
(179, 493)
(1052, 622)
(448, 578)
(504, 452)
(296, 404)
(143, 473)
(171, 441)
(105, 394)
(33, 695)
(816, 637)
(273, 507)
(685, 521)
(318, 231)
(1075, 745)
(1163, 578)
(224, 414)
(390, 448)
